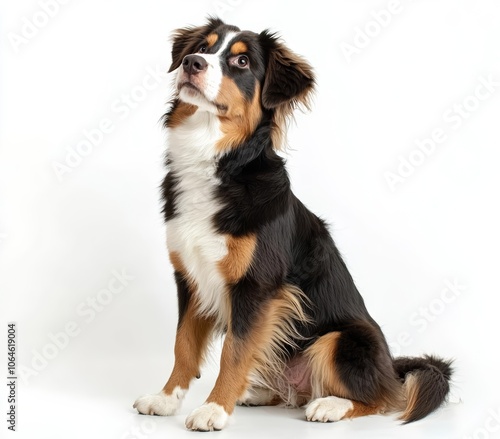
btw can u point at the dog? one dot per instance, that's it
(252, 263)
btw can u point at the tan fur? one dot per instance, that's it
(191, 343)
(282, 117)
(410, 389)
(241, 116)
(325, 380)
(361, 409)
(212, 39)
(240, 251)
(180, 114)
(239, 47)
(270, 364)
(259, 349)
(284, 112)
(279, 326)
(176, 261)
(231, 382)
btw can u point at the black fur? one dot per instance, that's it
(254, 185)
(183, 296)
(169, 193)
(432, 375)
(364, 363)
(245, 79)
(287, 77)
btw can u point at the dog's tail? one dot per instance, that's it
(426, 384)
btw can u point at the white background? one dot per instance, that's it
(63, 239)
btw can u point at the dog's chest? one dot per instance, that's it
(191, 232)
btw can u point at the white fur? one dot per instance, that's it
(257, 396)
(329, 409)
(209, 417)
(191, 232)
(160, 404)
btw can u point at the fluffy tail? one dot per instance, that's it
(426, 384)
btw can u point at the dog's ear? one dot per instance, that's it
(186, 40)
(289, 79)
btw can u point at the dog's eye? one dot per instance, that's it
(203, 48)
(240, 61)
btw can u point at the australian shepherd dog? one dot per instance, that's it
(252, 263)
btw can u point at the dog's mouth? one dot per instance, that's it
(190, 88)
(193, 91)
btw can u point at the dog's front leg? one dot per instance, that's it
(256, 334)
(236, 363)
(193, 334)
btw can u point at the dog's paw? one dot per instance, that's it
(160, 404)
(329, 409)
(209, 417)
(258, 396)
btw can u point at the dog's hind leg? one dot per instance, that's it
(352, 374)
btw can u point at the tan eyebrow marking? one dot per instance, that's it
(212, 39)
(239, 47)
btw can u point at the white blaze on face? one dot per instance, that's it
(208, 82)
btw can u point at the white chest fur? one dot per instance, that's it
(191, 232)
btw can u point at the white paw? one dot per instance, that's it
(329, 409)
(160, 404)
(257, 396)
(209, 417)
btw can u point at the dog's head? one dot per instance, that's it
(239, 76)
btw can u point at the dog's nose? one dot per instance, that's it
(194, 64)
